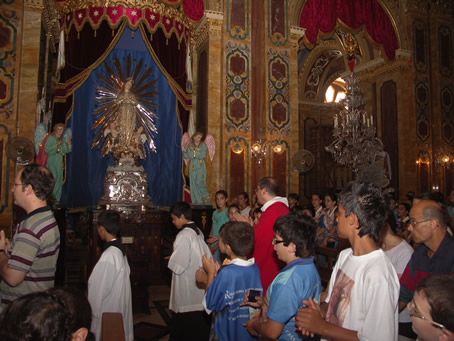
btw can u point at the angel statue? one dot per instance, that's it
(51, 148)
(194, 153)
(124, 117)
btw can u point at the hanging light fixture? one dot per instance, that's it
(261, 148)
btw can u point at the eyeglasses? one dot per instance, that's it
(14, 185)
(413, 310)
(413, 222)
(275, 241)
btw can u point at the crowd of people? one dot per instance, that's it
(255, 277)
(395, 281)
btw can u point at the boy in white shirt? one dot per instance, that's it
(363, 292)
(189, 321)
(109, 287)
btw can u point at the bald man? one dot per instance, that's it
(428, 226)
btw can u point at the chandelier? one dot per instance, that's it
(260, 149)
(444, 158)
(354, 142)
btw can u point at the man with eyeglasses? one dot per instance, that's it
(428, 226)
(432, 308)
(28, 263)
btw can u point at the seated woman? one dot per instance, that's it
(53, 315)
(328, 219)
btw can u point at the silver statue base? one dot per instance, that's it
(125, 188)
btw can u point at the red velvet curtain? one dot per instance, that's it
(84, 51)
(193, 9)
(322, 15)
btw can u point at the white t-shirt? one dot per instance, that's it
(245, 211)
(185, 260)
(363, 295)
(400, 256)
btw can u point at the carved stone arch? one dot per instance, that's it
(323, 61)
(397, 16)
(295, 7)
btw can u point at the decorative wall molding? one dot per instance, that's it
(35, 4)
(237, 86)
(296, 33)
(9, 25)
(379, 66)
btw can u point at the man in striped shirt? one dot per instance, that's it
(28, 263)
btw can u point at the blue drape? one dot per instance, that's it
(84, 184)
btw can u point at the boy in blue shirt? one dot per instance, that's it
(226, 289)
(293, 242)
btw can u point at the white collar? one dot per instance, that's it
(242, 262)
(274, 200)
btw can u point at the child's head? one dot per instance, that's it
(256, 215)
(181, 213)
(316, 200)
(293, 199)
(110, 220)
(239, 236)
(232, 210)
(221, 198)
(243, 199)
(297, 229)
(368, 204)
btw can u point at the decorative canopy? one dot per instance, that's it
(322, 16)
(148, 10)
(152, 13)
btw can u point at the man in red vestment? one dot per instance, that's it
(273, 207)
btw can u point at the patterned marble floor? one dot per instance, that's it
(153, 326)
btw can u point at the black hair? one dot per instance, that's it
(257, 210)
(332, 195)
(110, 220)
(224, 193)
(239, 236)
(368, 204)
(298, 229)
(40, 178)
(246, 197)
(270, 184)
(181, 208)
(51, 315)
(317, 194)
(391, 221)
(234, 206)
(425, 196)
(406, 205)
(439, 291)
(297, 208)
(294, 196)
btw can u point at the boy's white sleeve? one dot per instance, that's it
(99, 287)
(181, 256)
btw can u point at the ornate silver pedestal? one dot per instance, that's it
(125, 188)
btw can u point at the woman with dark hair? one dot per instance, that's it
(243, 203)
(53, 315)
(399, 252)
(328, 218)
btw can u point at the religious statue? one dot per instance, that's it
(195, 154)
(51, 151)
(125, 128)
(124, 117)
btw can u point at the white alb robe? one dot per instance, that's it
(109, 290)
